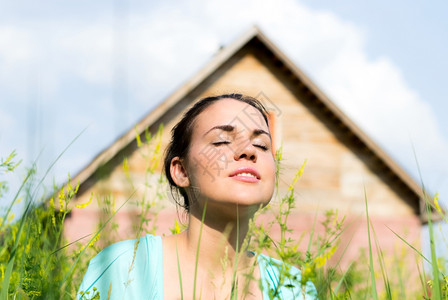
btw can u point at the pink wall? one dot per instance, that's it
(354, 237)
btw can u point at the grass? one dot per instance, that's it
(36, 262)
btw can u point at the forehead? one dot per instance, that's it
(231, 112)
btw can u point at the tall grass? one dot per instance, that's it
(33, 261)
(36, 262)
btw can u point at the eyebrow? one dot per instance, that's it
(258, 132)
(230, 128)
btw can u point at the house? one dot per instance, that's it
(344, 167)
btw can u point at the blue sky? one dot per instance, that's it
(99, 66)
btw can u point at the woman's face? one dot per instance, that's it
(230, 159)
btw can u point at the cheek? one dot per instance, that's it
(200, 165)
(270, 164)
(270, 171)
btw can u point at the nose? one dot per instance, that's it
(246, 151)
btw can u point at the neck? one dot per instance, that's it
(217, 237)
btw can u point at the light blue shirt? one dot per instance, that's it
(133, 269)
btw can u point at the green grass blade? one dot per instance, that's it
(234, 293)
(180, 274)
(382, 265)
(197, 251)
(8, 272)
(5, 284)
(16, 196)
(25, 242)
(413, 248)
(343, 277)
(56, 160)
(312, 233)
(372, 273)
(69, 244)
(422, 277)
(400, 277)
(435, 268)
(346, 271)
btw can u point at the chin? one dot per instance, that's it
(249, 200)
(243, 197)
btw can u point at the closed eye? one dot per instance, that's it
(221, 143)
(262, 147)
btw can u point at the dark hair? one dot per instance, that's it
(181, 137)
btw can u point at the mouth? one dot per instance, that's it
(246, 175)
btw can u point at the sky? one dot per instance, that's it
(81, 73)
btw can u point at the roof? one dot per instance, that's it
(185, 94)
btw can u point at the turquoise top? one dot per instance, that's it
(133, 269)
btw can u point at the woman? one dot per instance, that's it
(220, 160)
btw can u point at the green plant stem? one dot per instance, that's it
(8, 272)
(16, 196)
(435, 268)
(234, 293)
(180, 274)
(197, 251)
(382, 266)
(372, 273)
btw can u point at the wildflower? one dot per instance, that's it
(113, 205)
(137, 137)
(436, 203)
(297, 176)
(147, 135)
(53, 219)
(126, 167)
(69, 186)
(61, 197)
(82, 205)
(307, 273)
(34, 293)
(176, 228)
(76, 188)
(11, 217)
(322, 260)
(92, 243)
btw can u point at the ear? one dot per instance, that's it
(179, 172)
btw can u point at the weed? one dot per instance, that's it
(37, 262)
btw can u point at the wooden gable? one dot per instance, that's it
(343, 163)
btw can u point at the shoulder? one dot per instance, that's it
(122, 254)
(282, 280)
(120, 267)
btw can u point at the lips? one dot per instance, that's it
(245, 174)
